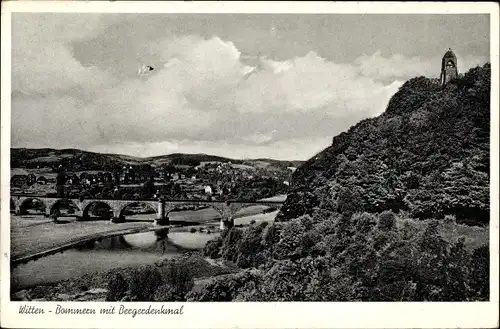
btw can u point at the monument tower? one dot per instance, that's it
(449, 69)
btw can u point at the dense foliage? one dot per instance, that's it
(169, 280)
(363, 257)
(427, 154)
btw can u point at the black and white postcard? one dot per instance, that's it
(249, 165)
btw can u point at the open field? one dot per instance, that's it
(280, 197)
(31, 239)
(475, 236)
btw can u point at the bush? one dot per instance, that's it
(450, 219)
(364, 222)
(290, 240)
(289, 280)
(168, 281)
(212, 248)
(250, 251)
(229, 249)
(387, 221)
(143, 283)
(227, 288)
(166, 293)
(117, 288)
(177, 281)
(192, 230)
(350, 200)
(480, 273)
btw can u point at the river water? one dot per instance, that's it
(121, 251)
(127, 250)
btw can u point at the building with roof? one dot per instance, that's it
(19, 180)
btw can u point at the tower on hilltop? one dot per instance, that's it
(449, 68)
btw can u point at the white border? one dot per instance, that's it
(257, 315)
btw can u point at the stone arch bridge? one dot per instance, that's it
(226, 209)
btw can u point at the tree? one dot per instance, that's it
(116, 174)
(148, 189)
(60, 181)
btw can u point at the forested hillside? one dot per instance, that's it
(428, 154)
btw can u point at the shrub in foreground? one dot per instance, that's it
(117, 287)
(364, 257)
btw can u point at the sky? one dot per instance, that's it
(236, 85)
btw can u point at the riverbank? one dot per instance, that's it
(94, 286)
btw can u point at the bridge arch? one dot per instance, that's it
(100, 208)
(12, 206)
(64, 202)
(122, 209)
(221, 209)
(22, 205)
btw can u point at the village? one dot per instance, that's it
(205, 181)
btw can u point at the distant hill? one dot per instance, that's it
(69, 158)
(75, 159)
(428, 155)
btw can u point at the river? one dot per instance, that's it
(120, 251)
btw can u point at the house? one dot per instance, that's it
(75, 180)
(19, 180)
(208, 189)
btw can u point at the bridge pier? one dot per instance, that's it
(118, 217)
(161, 216)
(226, 223)
(115, 220)
(162, 222)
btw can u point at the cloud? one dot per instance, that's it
(398, 66)
(45, 67)
(50, 120)
(199, 98)
(42, 56)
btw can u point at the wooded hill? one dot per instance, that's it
(428, 154)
